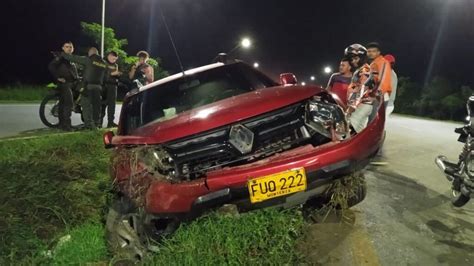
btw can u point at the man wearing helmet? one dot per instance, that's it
(362, 91)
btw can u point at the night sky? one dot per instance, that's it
(428, 37)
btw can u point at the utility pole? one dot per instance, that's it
(103, 29)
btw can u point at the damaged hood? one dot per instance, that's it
(218, 114)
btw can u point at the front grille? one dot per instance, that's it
(274, 132)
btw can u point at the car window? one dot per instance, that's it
(168, 100)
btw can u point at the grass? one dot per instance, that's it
(49, 185)
(53, 197)
(260, 237)
(83, 244)
(22, 93)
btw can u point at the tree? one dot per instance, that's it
(466, 92)
(453, 103)
(408, 96)
(111, 43)
(438, 99)
(433, 94)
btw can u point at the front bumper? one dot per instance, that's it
(323, 164)
(189, 200)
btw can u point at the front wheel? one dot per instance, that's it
(458, 199)
(123, 230)
(49, 110)
(131, 234)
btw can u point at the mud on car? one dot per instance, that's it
(226, 134)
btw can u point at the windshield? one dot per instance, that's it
(166, 101)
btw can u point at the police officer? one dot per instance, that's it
(109, 92)
(66, 76)
(93, 78)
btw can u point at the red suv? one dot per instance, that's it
(226, 134)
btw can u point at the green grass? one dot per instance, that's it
(83, 244)
(49, 185)
(22, 93)
(53, 194)
(260, 237)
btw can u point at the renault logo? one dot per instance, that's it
(241, 138)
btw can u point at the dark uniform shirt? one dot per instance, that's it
(62, 68)
(109, 79)
(94, 67)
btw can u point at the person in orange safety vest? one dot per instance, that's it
(378, 64)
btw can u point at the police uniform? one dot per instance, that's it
(109, 93)
(61, 68)
(93, 77)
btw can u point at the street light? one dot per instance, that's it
(303, 83)
(313, 78)
(327, 70)
(256, 64)
(246, 43)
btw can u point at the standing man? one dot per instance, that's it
(94, 73)
(379, 65)
(142, 71)
(391, 102)
(339, 82)
(66, 76)
(109, 92)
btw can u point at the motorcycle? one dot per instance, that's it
(461, 174)
(49, 107)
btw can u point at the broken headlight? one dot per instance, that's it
(158, 161)
(326, 118)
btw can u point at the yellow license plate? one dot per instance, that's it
(277, 185)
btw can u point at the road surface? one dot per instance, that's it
(23, 118)
(406, 218)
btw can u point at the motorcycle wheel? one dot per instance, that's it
(49, 110)
(458, 199)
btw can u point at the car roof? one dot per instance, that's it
(180, 75)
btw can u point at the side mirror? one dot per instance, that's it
(108, 136)
(287, 79)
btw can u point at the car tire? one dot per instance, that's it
(124, 231)
(129, 238)
(359, 195)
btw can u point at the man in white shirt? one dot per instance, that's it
(394, 79)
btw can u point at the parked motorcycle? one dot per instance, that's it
(49, 107)
(461, 174)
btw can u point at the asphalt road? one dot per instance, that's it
(407, 215)
(24, 118)
(406, 219)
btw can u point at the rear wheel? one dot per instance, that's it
(49, 110)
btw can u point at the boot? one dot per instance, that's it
(111, 124)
